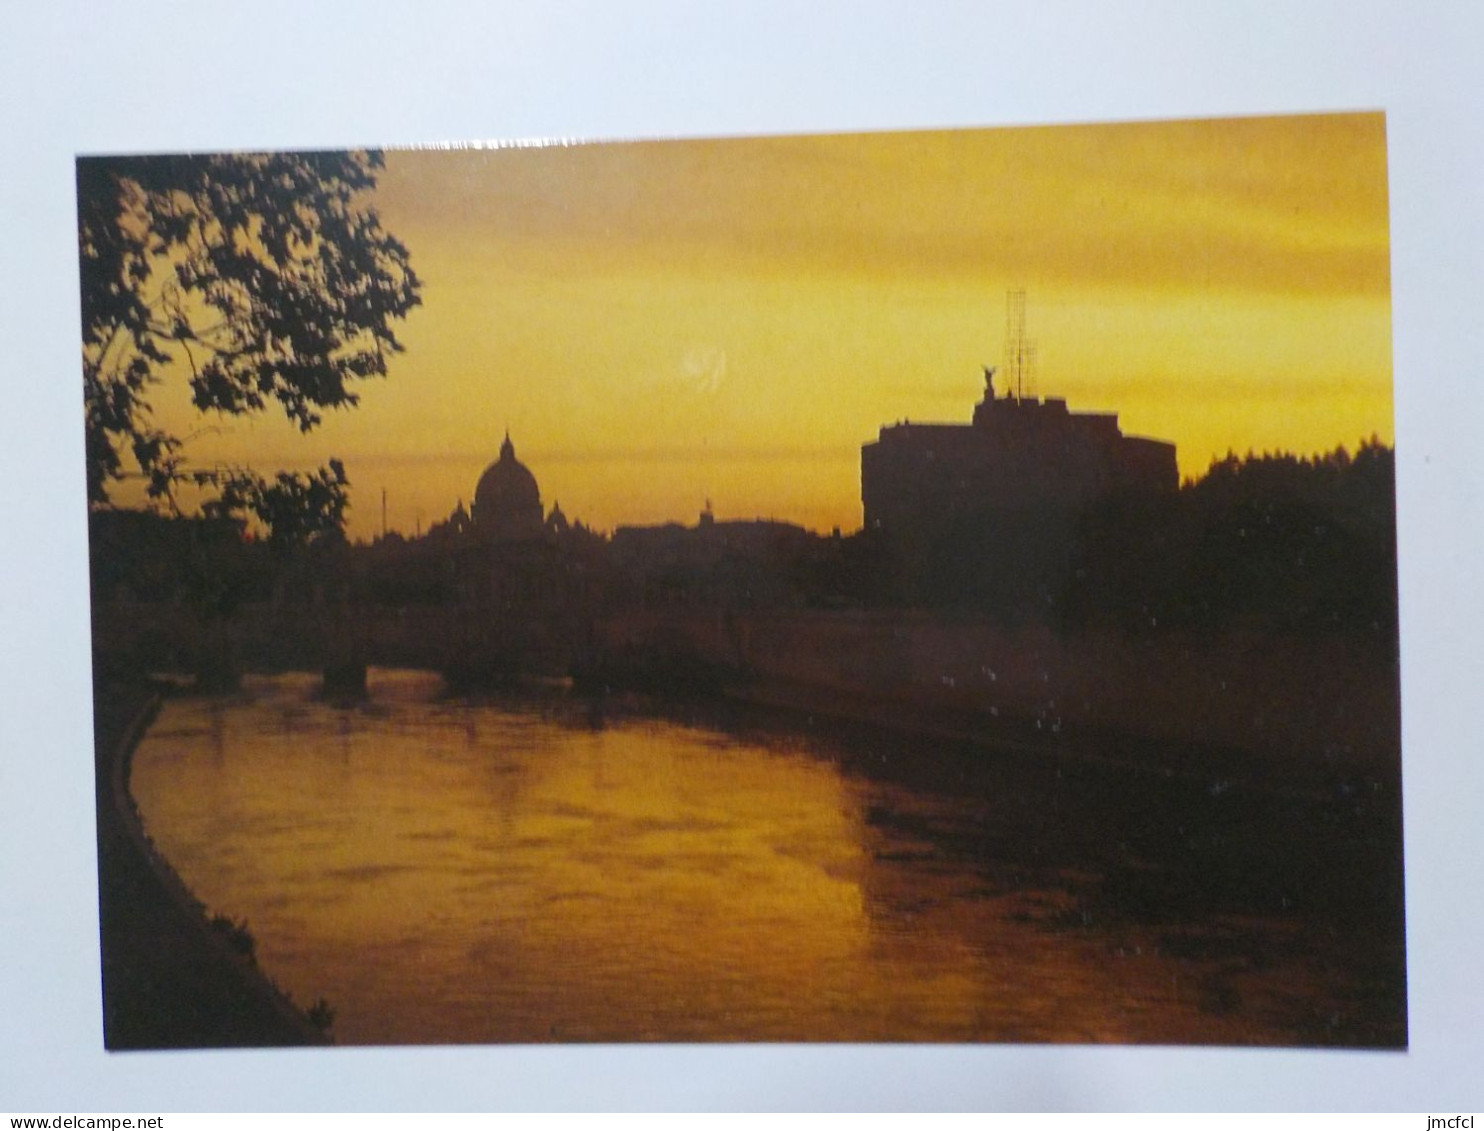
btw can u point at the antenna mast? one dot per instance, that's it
(1020, 352)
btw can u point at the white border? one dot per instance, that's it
(154, 75)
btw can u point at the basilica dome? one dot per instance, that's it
(507, 502)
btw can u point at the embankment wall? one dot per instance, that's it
(1316, 702)
(1311, 701)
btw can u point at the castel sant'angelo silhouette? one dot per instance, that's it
(1019, 453)
(1020, 456)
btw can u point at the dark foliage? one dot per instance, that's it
(236, 934)
(297, 509)
(203, 561)
(321, 1015)
(1271, 541)
(267, 278)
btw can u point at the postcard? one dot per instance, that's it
(887, 587)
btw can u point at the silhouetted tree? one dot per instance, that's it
(1307, 542)
(1295, 543)
(267, 277)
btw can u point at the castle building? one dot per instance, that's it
(1020, 454)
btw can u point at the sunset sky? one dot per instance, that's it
(663, 323)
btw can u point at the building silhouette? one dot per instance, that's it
(506, 510)
(507, 501)
(733, 563)
(523, 578)
(990, 513)
(1018, 454)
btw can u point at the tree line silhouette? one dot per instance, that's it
(1272, 541)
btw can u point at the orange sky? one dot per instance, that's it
(661, 323)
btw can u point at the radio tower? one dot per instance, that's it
(1020, 353)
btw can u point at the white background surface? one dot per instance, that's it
(152, 75)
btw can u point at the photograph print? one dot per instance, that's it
(888, 587)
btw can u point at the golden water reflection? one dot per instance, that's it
(446, 871)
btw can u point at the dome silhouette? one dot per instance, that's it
(507, 502)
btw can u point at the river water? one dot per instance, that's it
(538, 868)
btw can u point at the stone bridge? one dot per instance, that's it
(467, 643)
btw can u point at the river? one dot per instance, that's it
(537, 867)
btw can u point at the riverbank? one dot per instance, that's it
(1290, 711)
(170, 979)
